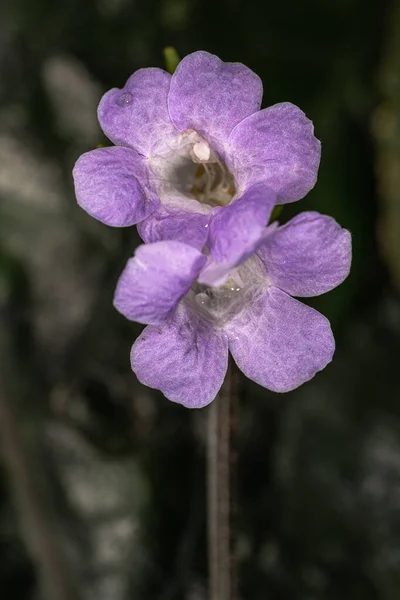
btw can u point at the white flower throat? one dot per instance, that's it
(219, 304)
(186, 171)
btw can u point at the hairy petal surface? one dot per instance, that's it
(155, 280)
(181, 226)
(236, 231)
(111, 185)
(280, 342)
(308, 256)
(277, 146)
(137, 115)
(184, 357)
(211, 96)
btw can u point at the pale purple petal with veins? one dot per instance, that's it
(308, 256)
(181, 226)
(280, 342)
(111, 184)
(137, 115)
(211, 96)
(156, 279)
(236, 231)
(276, 146)
(185, 357)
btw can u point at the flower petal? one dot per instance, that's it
(185, 357)
(236, 231)
(277, 146)
(308, 256)
(111, 185)
(211, 97)
(280, 342)
(137, 115)
(155, 280)
(181, 226)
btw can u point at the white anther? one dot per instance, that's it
(202, 151)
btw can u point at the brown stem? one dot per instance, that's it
(37, 527)
(220, 498)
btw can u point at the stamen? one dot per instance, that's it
(193, 169)
(202, 151)
(209, 182)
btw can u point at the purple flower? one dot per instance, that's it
(275, 340)
(188, 143)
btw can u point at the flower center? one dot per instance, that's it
(186, 169)
(221, 303)
(217, 304)
(213, 184)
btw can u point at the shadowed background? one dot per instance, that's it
(102, 481)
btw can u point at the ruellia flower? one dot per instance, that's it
(198, 310)
(190, 142)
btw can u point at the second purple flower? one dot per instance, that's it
(198, 310)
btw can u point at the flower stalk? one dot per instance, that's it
(220, 468)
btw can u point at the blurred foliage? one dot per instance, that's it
(122, 469)
(171, 58)
(386, 129)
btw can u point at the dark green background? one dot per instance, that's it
(119, 471)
